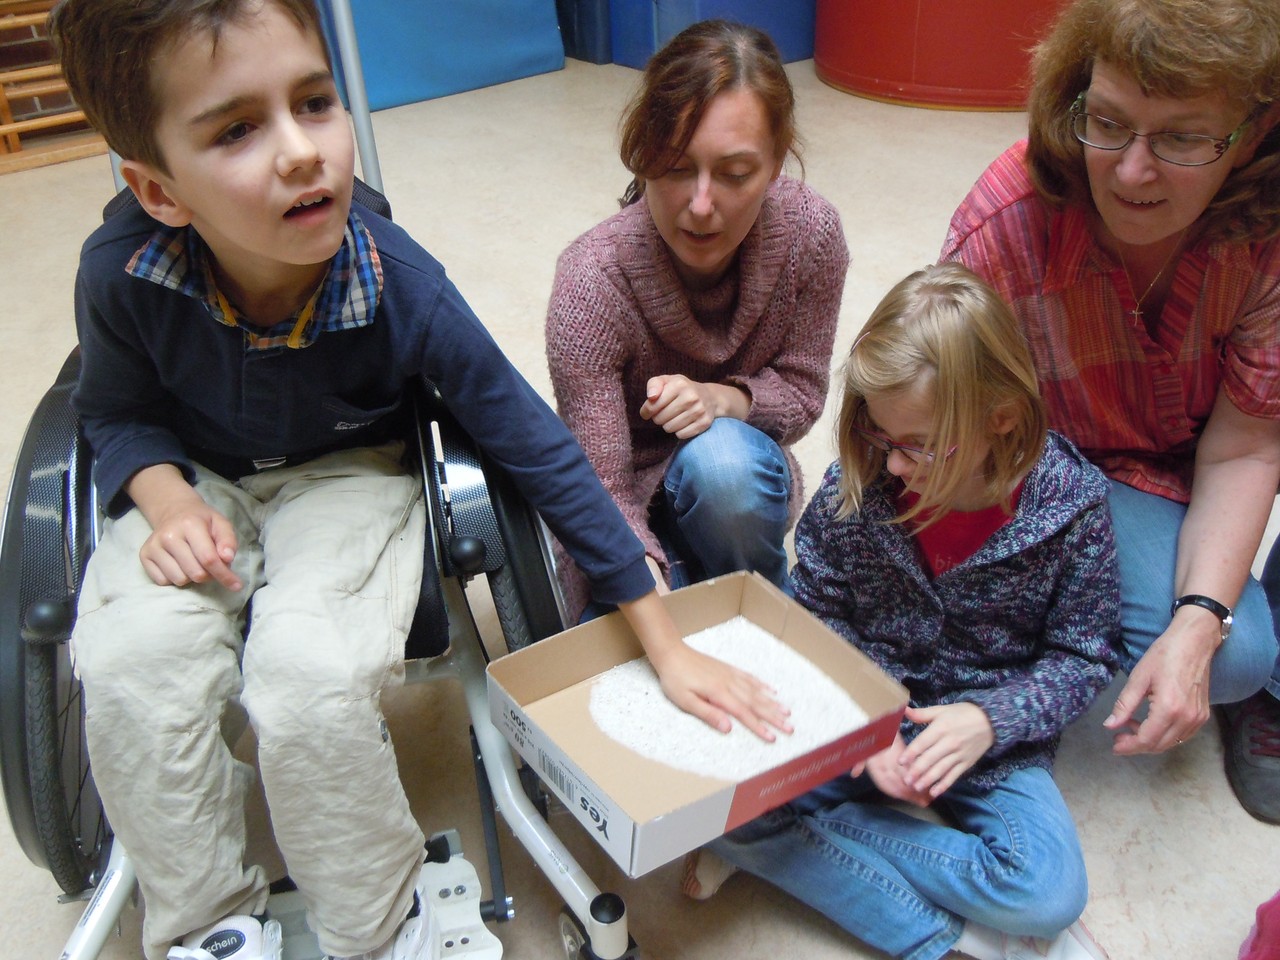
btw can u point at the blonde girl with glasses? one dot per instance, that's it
(1136, 234)
(968, 551)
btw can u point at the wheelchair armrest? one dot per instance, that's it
(479, 522)
(47, 534)
(462, 539)
(459, 491)
(45, 541)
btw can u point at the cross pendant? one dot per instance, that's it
(1136, 313)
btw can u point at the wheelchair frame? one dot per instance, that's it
(477, 522)
(50, 525)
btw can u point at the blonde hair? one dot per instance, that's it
(945, 328)
(1172, 48)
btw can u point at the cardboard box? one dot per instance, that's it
(645, 813)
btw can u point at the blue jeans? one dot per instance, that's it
(906, 886)
(722, 507)
(1146, 528)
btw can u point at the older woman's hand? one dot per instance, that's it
(1173, 677)
(1233, 490)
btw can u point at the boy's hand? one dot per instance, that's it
(190, 541)
(687, 407)
(715, 691)
(955, 737)
(710, 689)
(886, 772)
(193, 544)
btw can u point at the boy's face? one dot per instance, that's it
(259, 150)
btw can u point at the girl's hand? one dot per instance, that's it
(714, 691)
(955, 737)
(885, 770)
(687, 407)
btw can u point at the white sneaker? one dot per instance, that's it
(232, 938)
(1073, 943)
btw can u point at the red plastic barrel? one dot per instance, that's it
(961, 54)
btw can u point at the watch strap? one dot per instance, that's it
(1221, 611)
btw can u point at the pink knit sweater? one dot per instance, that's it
(620, 315)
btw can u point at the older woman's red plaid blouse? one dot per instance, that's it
(1134, 402)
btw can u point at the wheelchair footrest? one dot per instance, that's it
(299, 942)
(452, 899)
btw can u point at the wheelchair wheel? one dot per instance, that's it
(510, 608)
(524, 590)
(573, 937)
(45, 541)
(577, 944)
(68, 814)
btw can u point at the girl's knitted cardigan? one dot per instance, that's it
(1027, 628)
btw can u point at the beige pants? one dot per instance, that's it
(331, 553)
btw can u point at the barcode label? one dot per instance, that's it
(556, 776)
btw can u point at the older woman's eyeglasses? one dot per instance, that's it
(885, 445)
(1183, 149)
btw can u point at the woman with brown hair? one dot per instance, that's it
(689, 336)
(1136, 234)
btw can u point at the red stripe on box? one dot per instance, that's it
(775, 787)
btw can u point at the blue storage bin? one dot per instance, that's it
(421, 49)
(639, 27)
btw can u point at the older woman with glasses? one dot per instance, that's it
(1136, 234)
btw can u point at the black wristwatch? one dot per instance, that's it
(1221, 611)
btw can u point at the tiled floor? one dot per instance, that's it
(495, 183)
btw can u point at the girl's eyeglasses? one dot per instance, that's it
(885, 445)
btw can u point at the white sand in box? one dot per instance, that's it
(628, 704)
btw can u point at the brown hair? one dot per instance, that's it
(944, 328)
(108, 49)
(1172, 48)
(682, 78)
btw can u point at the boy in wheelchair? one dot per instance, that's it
(248, 339)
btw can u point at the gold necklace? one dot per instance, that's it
(1136, 312)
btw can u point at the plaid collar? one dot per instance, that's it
(347, 298)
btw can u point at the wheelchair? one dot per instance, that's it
(477, 523)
